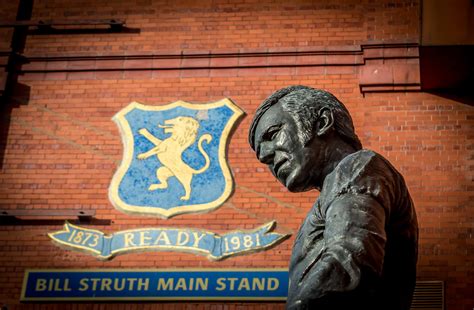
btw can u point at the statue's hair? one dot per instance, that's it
(303, 103)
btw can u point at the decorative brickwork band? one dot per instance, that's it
(386, 67)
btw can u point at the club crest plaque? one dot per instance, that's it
(174, 158)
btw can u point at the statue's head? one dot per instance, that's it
(290, 133)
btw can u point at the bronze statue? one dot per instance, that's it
(357, 248)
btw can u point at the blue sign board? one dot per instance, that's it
(139, 284)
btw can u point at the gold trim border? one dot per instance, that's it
(127, 140)
(23, 298)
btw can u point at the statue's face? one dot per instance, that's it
(278, 146)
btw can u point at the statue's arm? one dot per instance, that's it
(353, 253)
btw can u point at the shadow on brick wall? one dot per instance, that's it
(20, 95)
(463, 96)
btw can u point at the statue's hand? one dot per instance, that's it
(141, 156)
(142, 131)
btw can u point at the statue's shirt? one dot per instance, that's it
(357, 247)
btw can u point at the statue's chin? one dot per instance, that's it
(294, 185)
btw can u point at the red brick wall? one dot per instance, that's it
(204, 25)
(61, 148)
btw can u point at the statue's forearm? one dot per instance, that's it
(354, 243)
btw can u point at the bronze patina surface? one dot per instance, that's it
(357, 247)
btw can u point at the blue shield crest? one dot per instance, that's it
(174, 158)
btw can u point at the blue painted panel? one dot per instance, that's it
(206, 187)
(266, 284)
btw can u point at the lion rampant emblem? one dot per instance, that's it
(174, 157)
(169, 152)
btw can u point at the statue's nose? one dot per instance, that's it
(266, 153)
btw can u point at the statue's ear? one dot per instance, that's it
(325, 121)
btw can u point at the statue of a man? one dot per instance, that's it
(357, 247)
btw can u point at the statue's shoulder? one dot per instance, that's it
(361, 163)
(364, 172)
